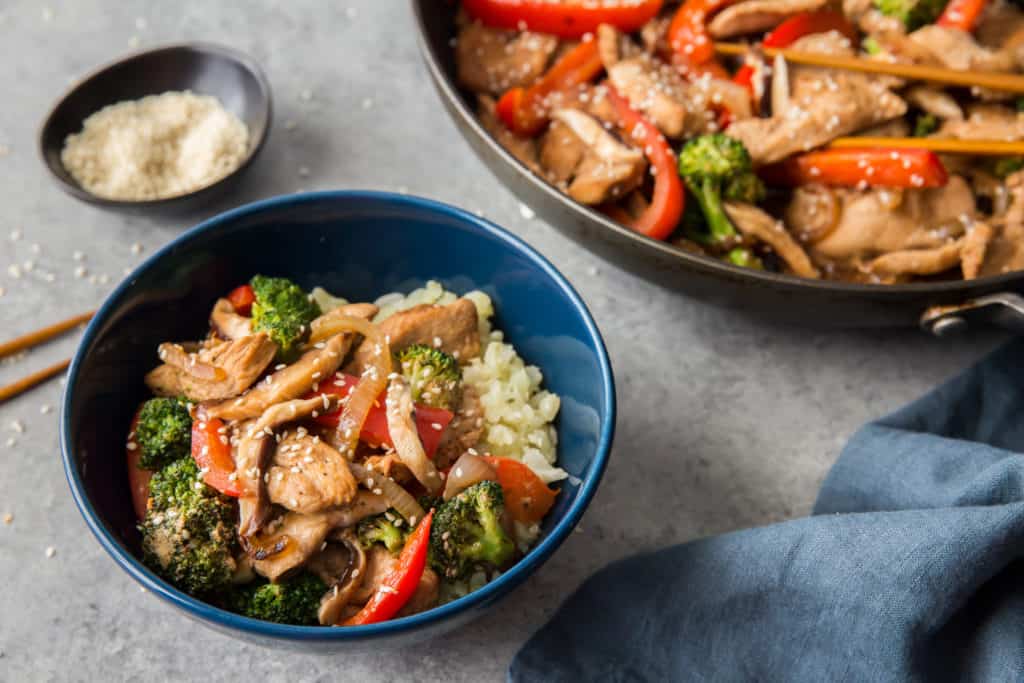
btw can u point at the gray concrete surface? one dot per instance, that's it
(724, 422)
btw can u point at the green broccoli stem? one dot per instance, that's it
(709, 196)
(745, 258)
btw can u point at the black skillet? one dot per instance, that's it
(939, 307)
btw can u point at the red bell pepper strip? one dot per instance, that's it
(688, 33)
(400, 585)
(806, 23)
(662, 216)
(962, 14)
(430, 422)
(138, 478)
(566, 19)
(872, 167)
(527, 497)
(242, 299)
(212, 453)
(525, 110)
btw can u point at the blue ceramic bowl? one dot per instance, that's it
(360, 245)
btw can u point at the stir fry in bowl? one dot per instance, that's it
(629, 107)
(315, 461)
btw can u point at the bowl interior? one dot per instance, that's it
(357, 245)
(229, 76)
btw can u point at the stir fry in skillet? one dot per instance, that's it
(628, 107)
(314, 461)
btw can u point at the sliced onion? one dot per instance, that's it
(406, 438)
(468, 470)
(397, 497)
(189, 363)
(780, 86)
(371, 384)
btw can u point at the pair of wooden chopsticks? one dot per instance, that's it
(1004, 82)
(33, 339)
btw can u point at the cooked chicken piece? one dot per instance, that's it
(935, 101)
(227, 323)
(720, 91)
(823, 105)
(879, 221)
(1001, 27)
(426, 595)
(561, 152)
(986, 122)
(975, 245)
(899, 264)
(613, 45)
(755, 16)
(490, 60)
(1005, 252)
(753, 222)
(957, 49)
(256, 444)
(657, 90)
(237, 364)
(363, 311)
(289, 542)
(464, 432)
(307, 475)
(654, 35)
(522, 148)
(609, 169)
(402, 428)
(379, 563)
(290, 382)
(452, 328)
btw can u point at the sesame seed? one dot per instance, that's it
(136, 248)
(78, 256)
(8, 518)
(17, 426)
(51, 551)
(132, 445)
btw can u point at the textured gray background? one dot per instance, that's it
(724, 423)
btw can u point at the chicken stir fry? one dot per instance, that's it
(309, 465)
(627, 107)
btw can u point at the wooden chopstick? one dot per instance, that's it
(32, 339)
(945, 145)
(915, 72)
(39, 336)
(26, 383)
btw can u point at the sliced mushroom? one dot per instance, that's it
(754, 222)
(340, 565)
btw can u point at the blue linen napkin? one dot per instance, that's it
(908, 570)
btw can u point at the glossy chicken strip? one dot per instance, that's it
(608, 169)
(237, 363)
(307, 475)
(493, 60)
(975, 247)
(753, 222)
(916, 261)
(256, 446)
(755, 16)
(227, 323)
(288, 383)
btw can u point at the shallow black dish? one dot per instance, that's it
(939, 307)
(230, 76)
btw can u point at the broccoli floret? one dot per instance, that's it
(1005, 166)
(871, 46)
(913, 13)
(188, 536)
(292, 601)
(388, 528)
(717, 167)
(467, 532)
(164, 432)
(284, 311)
(925, 125)
(434, 376)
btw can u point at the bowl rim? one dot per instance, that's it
(507, 581)
(466, 121)
(198, 46)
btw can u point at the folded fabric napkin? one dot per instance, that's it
(908, 570)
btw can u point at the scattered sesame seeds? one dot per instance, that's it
(136, 248)
(81, 271)
(51, 551)
(17, 426)
(306, 95)
(8, 518)
(304, 171)
(367, 103)
(14, 270)
(290, 124)
(526, 212)
(351, 12)
(78, 256)
(15, 235)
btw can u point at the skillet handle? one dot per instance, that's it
(1003, 309)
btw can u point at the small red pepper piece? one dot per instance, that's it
(872, 167)
(242, 298)
(660, 219)
(962, 14)
(806, 23)
(138, 478)
(525, 110)
(212, 453)
(565, 20)
(400, 585)
(375, 428)
(688, 33)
